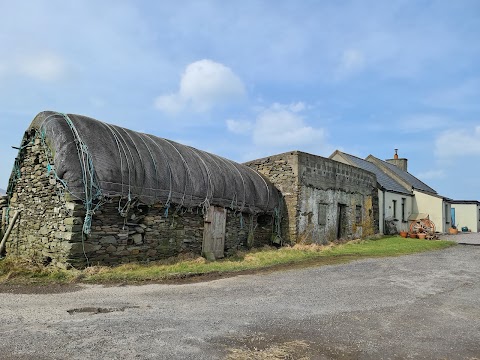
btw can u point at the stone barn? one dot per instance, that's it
(325, 199)
(84, 192)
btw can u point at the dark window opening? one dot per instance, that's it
(142, 208)
(403, 209)
(47, 261)
(394, 202)
(264, 220)
(322, 214)
(342, 222)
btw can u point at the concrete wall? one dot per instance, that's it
(435, 207)
(317, 190)
(467, 215)
(385, 201)
(49, 230)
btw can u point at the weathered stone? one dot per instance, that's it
(58, 218)
(111, 249)
(73, 221)
(79, 247)
(137, 239)
(108, 240)
(44, 230)
(72, 228)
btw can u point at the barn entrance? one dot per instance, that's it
(214, 233)
(342, 221)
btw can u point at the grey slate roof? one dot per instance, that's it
(383, 179)
(406, 176)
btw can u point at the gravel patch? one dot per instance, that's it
(416, 306)
(463, 238)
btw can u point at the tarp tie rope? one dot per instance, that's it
(187, 172)
(91, 187)
(170, 173)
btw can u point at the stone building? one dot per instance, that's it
(92, 193)
(395, 200)
(325, 199)
(403, 197)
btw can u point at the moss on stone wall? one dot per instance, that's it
(49, 230)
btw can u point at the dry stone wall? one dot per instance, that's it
(282, 171)
(3, 213)
(49, 229)
(39, 231)
(153, 233)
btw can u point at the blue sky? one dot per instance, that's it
(246, 79)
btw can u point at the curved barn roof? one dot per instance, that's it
(95, 158)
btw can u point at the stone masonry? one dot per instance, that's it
(326, 200)
(49, 229)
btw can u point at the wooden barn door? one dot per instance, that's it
(214, 233)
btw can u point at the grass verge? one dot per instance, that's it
(18, 272)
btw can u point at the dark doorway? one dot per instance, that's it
(341, 221)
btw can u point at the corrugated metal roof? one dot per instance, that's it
(383, 179)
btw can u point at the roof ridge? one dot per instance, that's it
(386, 180)
(397, 168)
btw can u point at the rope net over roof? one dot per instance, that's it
(94, 159)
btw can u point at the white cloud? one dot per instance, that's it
(422, 123)
(293, 107)
(238, 126)
(458, 143)
(352, 60)
(276, 127)
(36, 65)
(204, 84)
(431, 174)
(462, 96)
(172, 103)
(97, 102)
(42, 66)
(279, 128)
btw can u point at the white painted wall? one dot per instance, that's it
(467, 215)
(435, 207)
(381, 222)
(391, 212)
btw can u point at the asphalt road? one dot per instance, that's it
(410, 307)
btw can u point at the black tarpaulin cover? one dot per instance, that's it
(139, 166)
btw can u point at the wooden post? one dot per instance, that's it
(9, 230)
(2, 222)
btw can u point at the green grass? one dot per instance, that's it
(17, 272)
